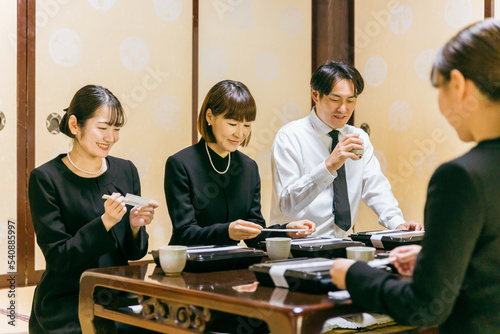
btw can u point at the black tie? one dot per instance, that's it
(341, 207)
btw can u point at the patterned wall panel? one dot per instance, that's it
(396, 42)
(267, 46)
(8, 121)
(141, 51)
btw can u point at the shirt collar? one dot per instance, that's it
(321, 128)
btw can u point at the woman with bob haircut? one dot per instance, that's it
(212, 189)
(456, 273)
(75, 228)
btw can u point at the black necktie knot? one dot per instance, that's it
(335, 137)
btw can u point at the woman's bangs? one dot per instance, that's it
(117, 116)
(241, 108)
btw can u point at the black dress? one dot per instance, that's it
(456, 281)
(66, 211)
(202, 203)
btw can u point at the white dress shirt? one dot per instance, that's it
(303, 186)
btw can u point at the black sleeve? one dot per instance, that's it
(63, 252)
(255, 216)
(182, 211)
(454, 218)
(136, 249)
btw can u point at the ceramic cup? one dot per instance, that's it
(278, 248)
(359, 253)
(173, 259)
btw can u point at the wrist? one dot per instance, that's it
(135, 230)
(108, 222)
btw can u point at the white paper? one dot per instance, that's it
(377, 240)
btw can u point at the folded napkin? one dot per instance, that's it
(356, 321)
(353, 321)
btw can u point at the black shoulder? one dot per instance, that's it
(245, 159)
(119, 164)
(188, 154)
(51, 168)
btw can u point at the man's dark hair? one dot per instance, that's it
(327, 75)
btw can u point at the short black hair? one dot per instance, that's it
(327, 75)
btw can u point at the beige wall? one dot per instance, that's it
(395, 45)
(141, 51)
(267, 46)
(8, 85)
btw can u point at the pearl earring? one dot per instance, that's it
(209, 124)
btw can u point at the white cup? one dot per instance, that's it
(278, 248)
(360, 253)
(173, 259)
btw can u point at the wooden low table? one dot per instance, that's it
(188, 303)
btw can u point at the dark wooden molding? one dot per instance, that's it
(489, 8)
(22, 181)
(32, 277)
(332, 33)
(194, 93)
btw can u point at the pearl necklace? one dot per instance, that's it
(103, 163)
(210, 158)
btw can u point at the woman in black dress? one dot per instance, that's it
(212, 189)
(75, 228)
(456, 273)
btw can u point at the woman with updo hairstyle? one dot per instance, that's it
(455, 274)
(212, 189)
(75, 228)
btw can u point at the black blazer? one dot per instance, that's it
(66, 211)
(202, 203)
(456, 282)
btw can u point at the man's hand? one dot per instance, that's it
(342, 152)
(410, 225)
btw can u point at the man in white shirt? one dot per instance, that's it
(313, 180)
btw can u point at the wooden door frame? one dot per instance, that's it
(332, 34)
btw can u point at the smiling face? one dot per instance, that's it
(228, 133)
(97, 137)
(336, 108)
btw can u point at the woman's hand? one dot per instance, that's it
(308, 226)
(242, 230)
(114, 209)
(143, 215)
(339, 271)
(406, 257)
